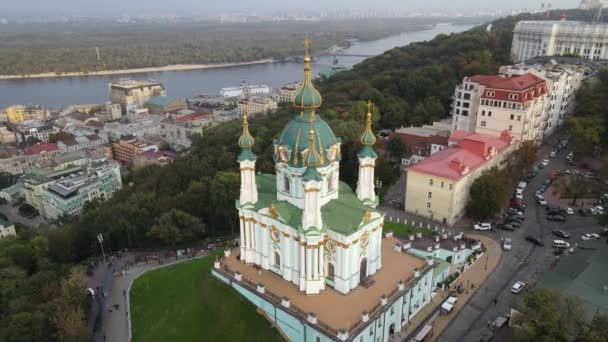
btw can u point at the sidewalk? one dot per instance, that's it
(116, 324)
(476, 274)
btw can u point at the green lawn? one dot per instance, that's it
(404, 229)
(185, 303)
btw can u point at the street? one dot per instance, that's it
(523, 263)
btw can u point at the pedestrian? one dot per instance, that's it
(495, 301)
(104, 337)
(124, 292)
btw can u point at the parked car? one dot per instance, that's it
(561, 233)
(518, 208)
(483, 226)
(552, 207)
(518, 287)
(515, 224)
(556, 217)
(604, 232)
(592, 211)
(569, 211)
(583, 212)
(517, 202)
(506, 245)
(599, 209)
(552, 154)
(560, 244)
(521, 185)
(506, 226)
(542, 202)
(519, 196)
(545, 162)
(535, 240)
(515, 218)
(515, 211)
(590, 236)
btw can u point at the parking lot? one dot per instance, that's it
(525, 262)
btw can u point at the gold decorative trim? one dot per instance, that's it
(363, 166)
(367, 216)
(312, 190)
(275, 235)
(248, 169)
(296, 148)
(365, 240)
(286, 235)
(374, 229)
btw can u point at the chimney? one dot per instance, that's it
(312, 318)
(285, 302)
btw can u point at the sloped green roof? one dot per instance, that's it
(312, 173)
(246, 154)
(160, 101)
(367, 152)
(582, 274)
(342, 215)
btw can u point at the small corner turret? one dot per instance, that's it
(367, 162)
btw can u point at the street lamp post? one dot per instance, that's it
(487, 256)
(103, 253)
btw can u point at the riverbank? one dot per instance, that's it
(176, 67)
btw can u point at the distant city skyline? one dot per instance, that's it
(181, 7)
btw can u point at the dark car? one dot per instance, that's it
(557, 218)
(604, 232)
(515, 218)
(583, 212)
(505, 227)
(518, 208)
(547, 182)
(535, 240)
(561, 233)
(515, 224)
(552, 207)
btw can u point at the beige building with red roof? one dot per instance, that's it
(491, 104)
(438, 187)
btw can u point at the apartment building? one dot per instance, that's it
(257, 105)
(19, 113)
(438, 187)
(285, 93)
(128, 147)
(7, 229)
(422, 142)
(562, 83)
(28, 130)
(555, 38)
(68, 196)
(128, 93)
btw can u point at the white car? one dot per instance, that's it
(522, 185)
(542, 202)
(560, 244)
(599, 209)
(483, 226)
(590, 236)
(593, 211)
(569, 211)
(519, 196)
(552, 154)
(517, 287)
(545, 162)
(506, 245)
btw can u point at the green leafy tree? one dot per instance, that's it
(488, 192)
(396, 148)
(176, 226)
(586, 132)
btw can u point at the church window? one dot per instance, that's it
(450, 186)
(286, 184)
(277, 259)
(430, 182)
(330, 271)
(430, 195)
(317, 339)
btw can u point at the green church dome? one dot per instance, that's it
(294, 141)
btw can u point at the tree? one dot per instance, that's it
(571, 186)
(32, 140)
(396, 148)
(26, 327)
(67, 313)
(547, 315)
(488, 192)
(586, 132)
(176, 226)
(60, 136)
(524, 158)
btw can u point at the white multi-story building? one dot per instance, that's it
(555, 38)
(562, 83)
(33, 129)
(286, 92)
(134, 93)
(491, 104)
(68, 196)
(245, 90)
(257, 105)
(113, 110)
(592, 4)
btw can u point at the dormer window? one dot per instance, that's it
(513, 96)
(490, 93)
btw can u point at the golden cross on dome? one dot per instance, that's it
(306, 43)
(369, 106)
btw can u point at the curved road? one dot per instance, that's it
(523, 263)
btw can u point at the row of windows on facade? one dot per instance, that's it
(513, 96)
(332, 184)
(442, 184)
(501, 104)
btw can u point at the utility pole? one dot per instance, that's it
(98, 55)
(103, 253)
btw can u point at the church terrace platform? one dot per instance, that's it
(335, 310)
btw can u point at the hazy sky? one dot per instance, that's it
(189, 6)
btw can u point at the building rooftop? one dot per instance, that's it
(456, 161)
(343, 215)
(424, 131)
(5, 223)
(193, 117)
(130, 84)
(333, 308)
(160, 101)
(40, 148)
(582, 274)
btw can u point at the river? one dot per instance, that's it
(63, 91)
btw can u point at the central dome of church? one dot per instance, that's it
(293, 143)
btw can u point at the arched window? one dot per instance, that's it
(330, 271)
(286, 184)
(277, 259)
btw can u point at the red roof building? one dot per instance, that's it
(438, 187)
(40, 148)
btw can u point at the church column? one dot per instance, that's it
(285, 258)
(243, 237)
(302, 266)
(315, 262)
(308, 264)
(321, 261)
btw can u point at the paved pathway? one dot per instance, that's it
(476, 274)
(116, 324)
